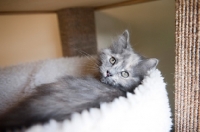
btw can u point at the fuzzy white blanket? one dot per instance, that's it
(145, 111)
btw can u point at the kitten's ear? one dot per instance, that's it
(147, 64)
(150, 63)
(126, 35)
(122, 43)
(124, 39)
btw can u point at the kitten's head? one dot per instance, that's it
(121, 67)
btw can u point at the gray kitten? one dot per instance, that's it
(121, 70)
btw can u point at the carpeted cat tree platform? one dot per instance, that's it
(147, 110)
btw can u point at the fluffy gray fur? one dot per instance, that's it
(126, 60)
(121, 70)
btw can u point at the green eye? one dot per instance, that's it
(125, 74)
(112, 60)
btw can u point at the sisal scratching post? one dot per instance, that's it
(77, 30)
(187, 93)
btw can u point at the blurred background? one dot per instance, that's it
(36, 30)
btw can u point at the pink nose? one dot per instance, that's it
(108, 74)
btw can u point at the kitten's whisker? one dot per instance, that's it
(85, 53)
(90, 69)
(90, 65)
(90, 57)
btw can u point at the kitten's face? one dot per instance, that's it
(121, 67)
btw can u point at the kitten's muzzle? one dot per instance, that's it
(108, 74)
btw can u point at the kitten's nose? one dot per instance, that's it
(108, 74)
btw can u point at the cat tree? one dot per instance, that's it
(146, 110)
(187, 95)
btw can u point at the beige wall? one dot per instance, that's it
(28, 37)
(152, 32)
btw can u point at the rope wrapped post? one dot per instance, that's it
(77, 30)
(187, 93)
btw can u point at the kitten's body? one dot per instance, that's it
(121, 71)
(59, 100)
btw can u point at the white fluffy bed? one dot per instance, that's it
(147, 110)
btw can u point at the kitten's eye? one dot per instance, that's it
(112, 60)
(125, 74)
